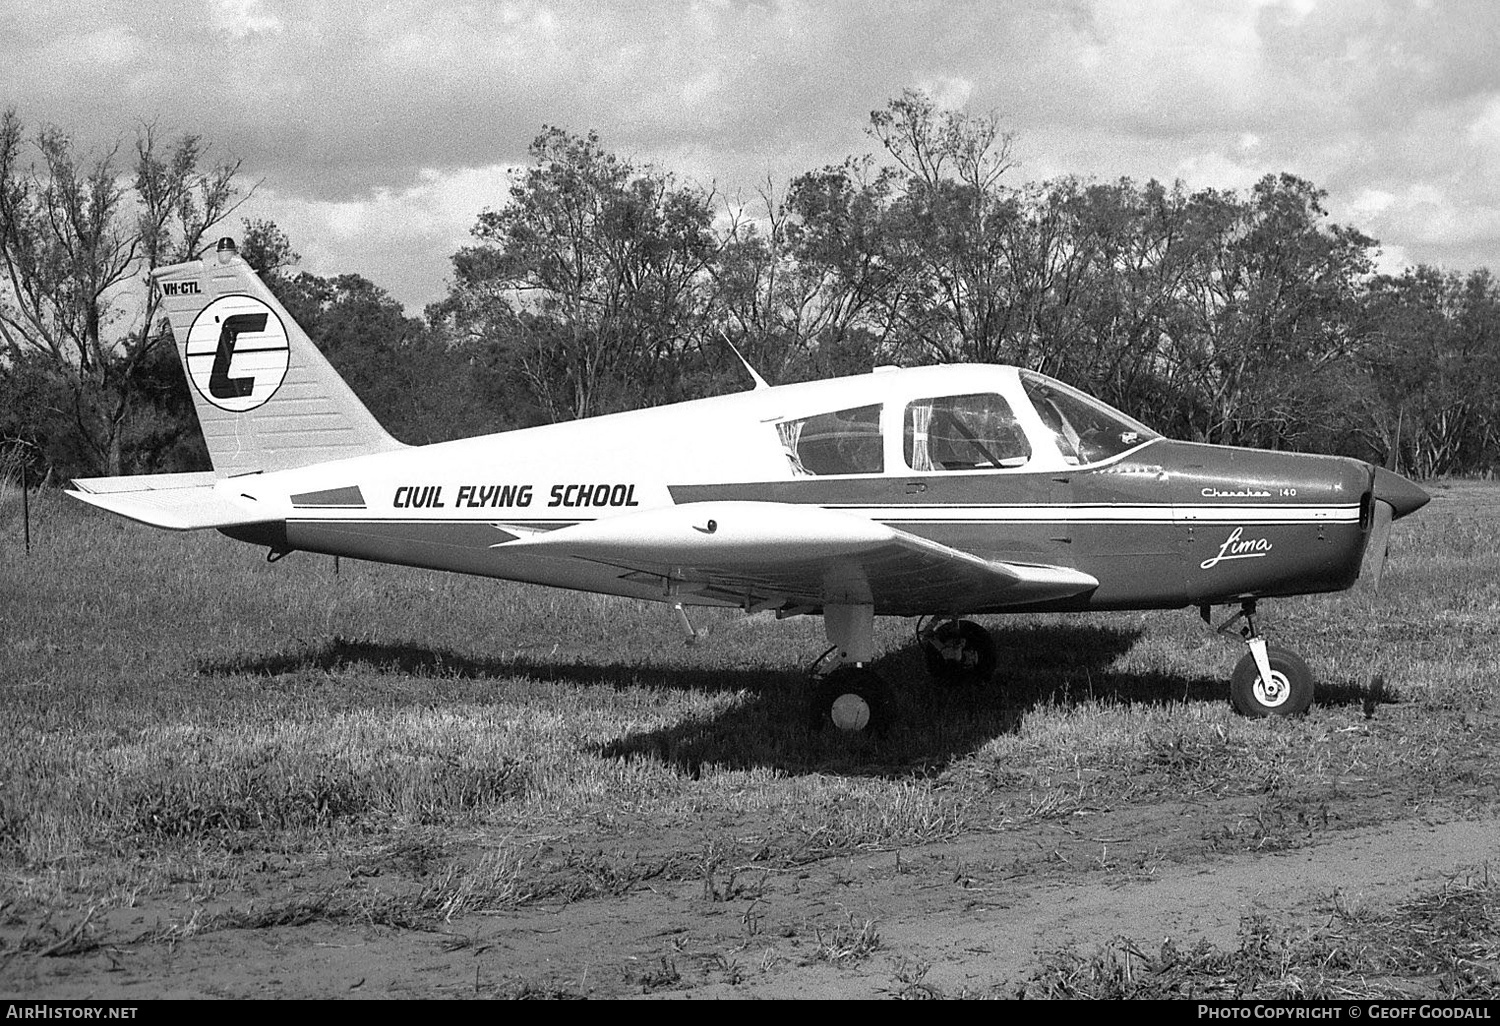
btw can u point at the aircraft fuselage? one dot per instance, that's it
(1163, 524)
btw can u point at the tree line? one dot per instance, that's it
(599, 284)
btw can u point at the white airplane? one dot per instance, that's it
(927, 492)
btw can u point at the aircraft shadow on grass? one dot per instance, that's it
(337, 654)
(936, 722)
(1061, 664)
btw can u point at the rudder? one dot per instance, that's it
(266, 399)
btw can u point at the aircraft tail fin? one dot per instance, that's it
(266, 399)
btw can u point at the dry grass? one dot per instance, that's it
(1444, 944)
(176, 708)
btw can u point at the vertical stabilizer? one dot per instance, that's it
(266, 398)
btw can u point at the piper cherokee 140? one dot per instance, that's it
(936, 492)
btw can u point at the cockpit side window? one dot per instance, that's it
(1086, 430)
(841, 442)
(963, 432)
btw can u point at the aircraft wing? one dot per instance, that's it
(779, 555)
(179, 502)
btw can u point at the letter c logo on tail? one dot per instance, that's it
(237, 353)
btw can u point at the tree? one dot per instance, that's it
(1267, 303)
(414, 385)
(419, 389)
(266, 248)
(79, 236)
(935, 146)
(1116, 272)
(802, 296)
(1432, 357)
(590, 281)
(954, 231)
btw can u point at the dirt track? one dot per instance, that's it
(965, 917)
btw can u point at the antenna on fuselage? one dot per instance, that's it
(760, 382)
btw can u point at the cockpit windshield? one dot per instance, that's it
(1087, 430)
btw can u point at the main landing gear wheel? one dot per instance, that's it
(958, 651)
(1288, 693)
(854, 701)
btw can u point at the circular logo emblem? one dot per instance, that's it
(237, 353)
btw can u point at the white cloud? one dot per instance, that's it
(1217, 169)
(1392, 260)
(240, 18)
(103, 48)
(401, 239)
(391, 121)
(1169, 64)
(1371, 203)
(1483, 130)
(701, 89)
(1292, 11)
(1425, 213)
(948, 92)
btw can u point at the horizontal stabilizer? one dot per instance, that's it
(178, 502)
(778, 554)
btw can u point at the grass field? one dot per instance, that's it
(182, 718)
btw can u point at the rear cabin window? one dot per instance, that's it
(841, 442)
(964, 432)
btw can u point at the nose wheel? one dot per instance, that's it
(1286, 691)
(1268, 680)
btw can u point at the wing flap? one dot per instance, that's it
(768, 553)
(178, 502)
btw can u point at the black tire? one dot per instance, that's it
(853, 700)
(1292, 695)
(960, 651)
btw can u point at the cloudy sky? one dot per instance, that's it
(378, 131)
